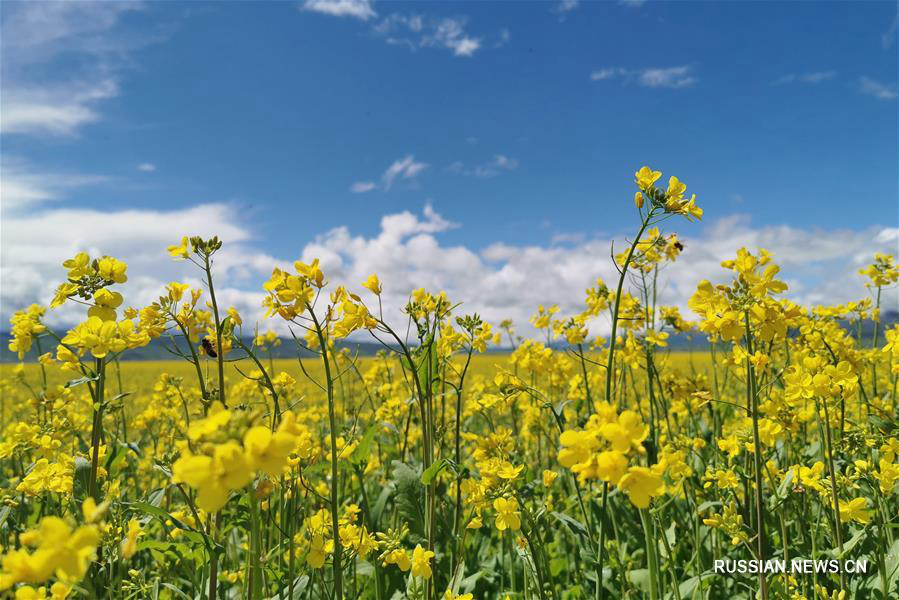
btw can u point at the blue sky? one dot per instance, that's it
(520, 123)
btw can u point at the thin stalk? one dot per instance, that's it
(335, 477)
(757, 459)
(97, 428)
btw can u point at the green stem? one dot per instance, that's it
(335, 476)
(97, 428)
(757, 459)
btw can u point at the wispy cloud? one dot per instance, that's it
(814, 77)
(403, 168)
(672, 77)
(632, 3)
(505, 36)
(361, 187)
(25, 187)
(601, 74)
(146, 167)
(358, 9)
(668, 77)
(40, 40)
(565, 7)
(889, 36)
(417, 31)
(491, 168)
(881, 91)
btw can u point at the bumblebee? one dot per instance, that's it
(209, 347)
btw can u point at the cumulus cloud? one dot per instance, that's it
(498, 281)
(31, 259)
(668, 77)
(79, 38)
(358, 9)
(509, 281)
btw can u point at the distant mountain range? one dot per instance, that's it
(156, 349)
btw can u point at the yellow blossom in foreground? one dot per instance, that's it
(507, 514)
(129, 544)
(854, 510)
(641, 484)
(421, 562)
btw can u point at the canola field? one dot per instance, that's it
(571, 466)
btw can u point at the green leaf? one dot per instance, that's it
(892, 567)
(573, 524)
(468, 584)
(431, 472)
(785, 484)
(360, 454)
(688, 587)
(81, 481)
(409, 497)
(299, 587)
(156, 497)
(176, 590)
(380, 503)
(163, 514)
(847, 546)
(707, 505)
(76, 382)
(640, 579)
(224, 323)
(364, 568)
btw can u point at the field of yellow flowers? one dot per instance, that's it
(570, 467)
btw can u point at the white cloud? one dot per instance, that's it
(669, 77)
(672, 77)
(814, 77)
(402, 168)
(632, 3)
(491, 168)
(499, 281)
(146, 167)
(359, 9)
(416, 31)
(564, 8)
(23, 185)
(601, 74)
(881, 91)
(31, 260)
(509, 281)
(505, 36)
(76, 38)
(54, 110)
(405, 168)
(889, 36)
